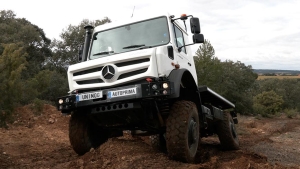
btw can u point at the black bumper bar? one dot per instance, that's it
(71, 102)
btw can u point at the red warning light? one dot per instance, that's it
(183, 17)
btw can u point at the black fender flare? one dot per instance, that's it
(181, 77)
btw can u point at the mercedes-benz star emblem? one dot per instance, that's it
(108, 72)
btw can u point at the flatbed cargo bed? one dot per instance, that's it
(209, 96)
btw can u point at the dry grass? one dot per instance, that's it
(277, 77)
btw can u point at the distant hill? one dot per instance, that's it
(274, 71)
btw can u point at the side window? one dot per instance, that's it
(179, 38)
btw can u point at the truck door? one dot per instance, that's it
(180, 38)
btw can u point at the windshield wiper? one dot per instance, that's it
(145, 47)
(103, 53)
(133, 46)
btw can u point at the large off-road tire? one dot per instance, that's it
(158, 142)
(84, 135)
(227, 133)
(182, 131)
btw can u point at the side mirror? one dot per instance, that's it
(80, 51)
(195, 25)
(198, 38)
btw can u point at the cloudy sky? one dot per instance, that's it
(261, 33)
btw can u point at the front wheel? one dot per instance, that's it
(182, 131)
(227, 133)
(84, 134)
(158, 142)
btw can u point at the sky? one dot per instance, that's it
(262, 33)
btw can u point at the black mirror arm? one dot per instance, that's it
(182, 18)
(179, 49)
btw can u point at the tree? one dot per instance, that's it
(65, 51)
(237, 81)
(12, 63)
(233, 80)
(28, 35)
(46, 85)
(208, 66)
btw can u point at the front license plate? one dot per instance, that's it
(121, 93)
(89, 96)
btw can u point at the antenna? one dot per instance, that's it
(132, 11)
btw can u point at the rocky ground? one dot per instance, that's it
(41, 141)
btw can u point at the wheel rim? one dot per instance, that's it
(192, 134)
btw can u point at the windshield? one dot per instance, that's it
(141, 35)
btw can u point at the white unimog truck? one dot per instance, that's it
(139, 75)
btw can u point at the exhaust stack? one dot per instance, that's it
(87, 41)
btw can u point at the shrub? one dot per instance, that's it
(267, 103)
(291, 113)
(259, 109)
(37, 106)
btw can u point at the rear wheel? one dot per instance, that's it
(84, 134)
(227, 133)
(182, 132)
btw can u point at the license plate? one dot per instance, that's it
(89, 96)
(121, 93)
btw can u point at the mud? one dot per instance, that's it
(41, 141)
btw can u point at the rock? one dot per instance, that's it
(51, 121)
(92, 150)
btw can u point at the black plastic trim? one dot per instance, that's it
(129, 74)
(133, 62)
(97, 69)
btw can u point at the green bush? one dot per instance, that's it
(37, 106)
(291, 113)
(259, 109)
(267, 103)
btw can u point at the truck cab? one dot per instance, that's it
(139, 75)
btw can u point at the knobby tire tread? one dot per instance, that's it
(224, 132)
(177, 131)
(84, 135)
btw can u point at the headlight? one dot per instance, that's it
(60, 101)
(165, 85)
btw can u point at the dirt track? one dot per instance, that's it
(42, 142)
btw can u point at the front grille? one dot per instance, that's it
(94, 80)
(89, 81)
(97, 69)
(132, 62)
(122, 76)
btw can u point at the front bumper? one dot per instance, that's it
(66, 104)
